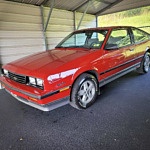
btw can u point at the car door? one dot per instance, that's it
(117, 52)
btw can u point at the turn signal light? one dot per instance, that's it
(33, 99)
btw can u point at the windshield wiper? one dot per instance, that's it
(74, 46)
(59, 47)
(67, 46)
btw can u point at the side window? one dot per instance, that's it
(139, 35)
(96, 40)
(118, 38)
(98, 35)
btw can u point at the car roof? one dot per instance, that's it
(105, 28)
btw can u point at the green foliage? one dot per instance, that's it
(136, 17)
(132, 12)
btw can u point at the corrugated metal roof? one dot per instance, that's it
(97, 7)
(94, 7)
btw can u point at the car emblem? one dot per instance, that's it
(15, 78)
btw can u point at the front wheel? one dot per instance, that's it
(84, 91)
(145, 64)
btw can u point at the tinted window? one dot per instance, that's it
(118, 38)
(139, 35)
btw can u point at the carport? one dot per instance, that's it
(29, 26)
(120, 118)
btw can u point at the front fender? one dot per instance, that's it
(84, 69)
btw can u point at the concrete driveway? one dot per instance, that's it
(119, 120)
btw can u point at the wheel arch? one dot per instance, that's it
(89, 75)
(141, 69)
(148, 50)
(77, 75)
(80, 72)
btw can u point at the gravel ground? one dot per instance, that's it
(119, 120)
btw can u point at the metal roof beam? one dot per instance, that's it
(49, 15)
(109, 6)
(83, 15)
(44, 2)
(84, 3)
(81, 5)
(103, 1)
(44, 26)
(44, 33)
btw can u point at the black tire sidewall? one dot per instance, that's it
(76, 87)
(146, 54)
(141, 69)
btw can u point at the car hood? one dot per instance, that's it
(45, 62)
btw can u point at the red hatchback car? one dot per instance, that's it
(75, 70)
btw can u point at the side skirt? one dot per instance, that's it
(118, 75)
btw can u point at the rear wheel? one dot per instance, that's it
(84, 91)
(145, 64)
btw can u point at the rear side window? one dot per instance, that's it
(139, 36)
(118, 38)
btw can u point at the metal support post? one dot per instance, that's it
(74, 19)
(44, 33)
(96, 21)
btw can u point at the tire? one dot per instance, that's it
(84, 91)
(145, 64)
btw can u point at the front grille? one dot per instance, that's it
(18, 78)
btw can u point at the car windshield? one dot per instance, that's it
(91, 39)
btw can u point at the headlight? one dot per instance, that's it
(32, 80)
(5, 72)
(36, 82)
(39, 82)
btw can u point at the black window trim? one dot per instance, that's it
(141, 31)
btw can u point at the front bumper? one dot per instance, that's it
(45, 102)
(46, 107)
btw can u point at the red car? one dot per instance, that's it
(75, 70)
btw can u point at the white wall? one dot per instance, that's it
(60, 25)
(21, 29)
(88, 20)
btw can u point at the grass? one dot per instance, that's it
(117, 20)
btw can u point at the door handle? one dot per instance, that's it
(132, 49)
